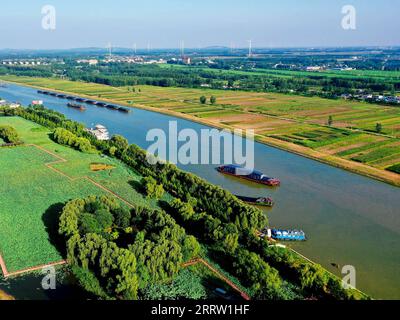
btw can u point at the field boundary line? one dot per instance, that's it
(244, 295)
(62, 160)
(31, 269)
(3, 265)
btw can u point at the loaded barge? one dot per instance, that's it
(83, 100)
(76, 106)
(261, 201)
(248, 174)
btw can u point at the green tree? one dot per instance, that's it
(213, 99)
(104, 218)
(122, 217)
(9, 134)
(120, 143)
(152, 189)
(378, 127)
(203, 99)
(330, 121)
(89, 224)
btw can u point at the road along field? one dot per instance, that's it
(36, 179)
(294, 123)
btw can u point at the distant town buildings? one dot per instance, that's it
(91, 62)
(372, 98)
(186, 60)
(133, 60)
(24, 62)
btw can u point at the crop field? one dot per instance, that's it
(289, 119)
(32, 191)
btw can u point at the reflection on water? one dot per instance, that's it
(349, 219)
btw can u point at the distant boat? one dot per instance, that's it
(260, 201)
(76, 106)
(248, 174)
(37, 102)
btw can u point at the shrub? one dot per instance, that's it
(9, 134)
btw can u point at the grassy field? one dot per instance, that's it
(291, 122)
(32, 192)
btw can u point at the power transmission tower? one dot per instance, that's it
(250, 48)
(109, 47)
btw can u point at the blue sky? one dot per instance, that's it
(164, 23)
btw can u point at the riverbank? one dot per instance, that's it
(349, 165)
(5, 296)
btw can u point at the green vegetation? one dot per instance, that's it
(186, 285)
(123, 250)
(33, 194)
(378, 127)
(116, 259)
(152, 189)
(395, 168)
(65, 137)
(9, 134)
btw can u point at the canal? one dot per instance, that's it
(349, 219)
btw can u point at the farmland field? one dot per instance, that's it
(295, 123)
(32, 192)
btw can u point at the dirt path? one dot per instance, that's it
(219, 274)
(3, 267)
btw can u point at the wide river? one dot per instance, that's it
(349, 219)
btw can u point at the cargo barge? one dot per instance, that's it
(83, 100)
(122, 109)
(261, 201)
(111, 106)
(76, 106)
(248, 174)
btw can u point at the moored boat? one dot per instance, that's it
(248, 174)
(260, 201)
(122, 109)
(111, 106)
(285, 234)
